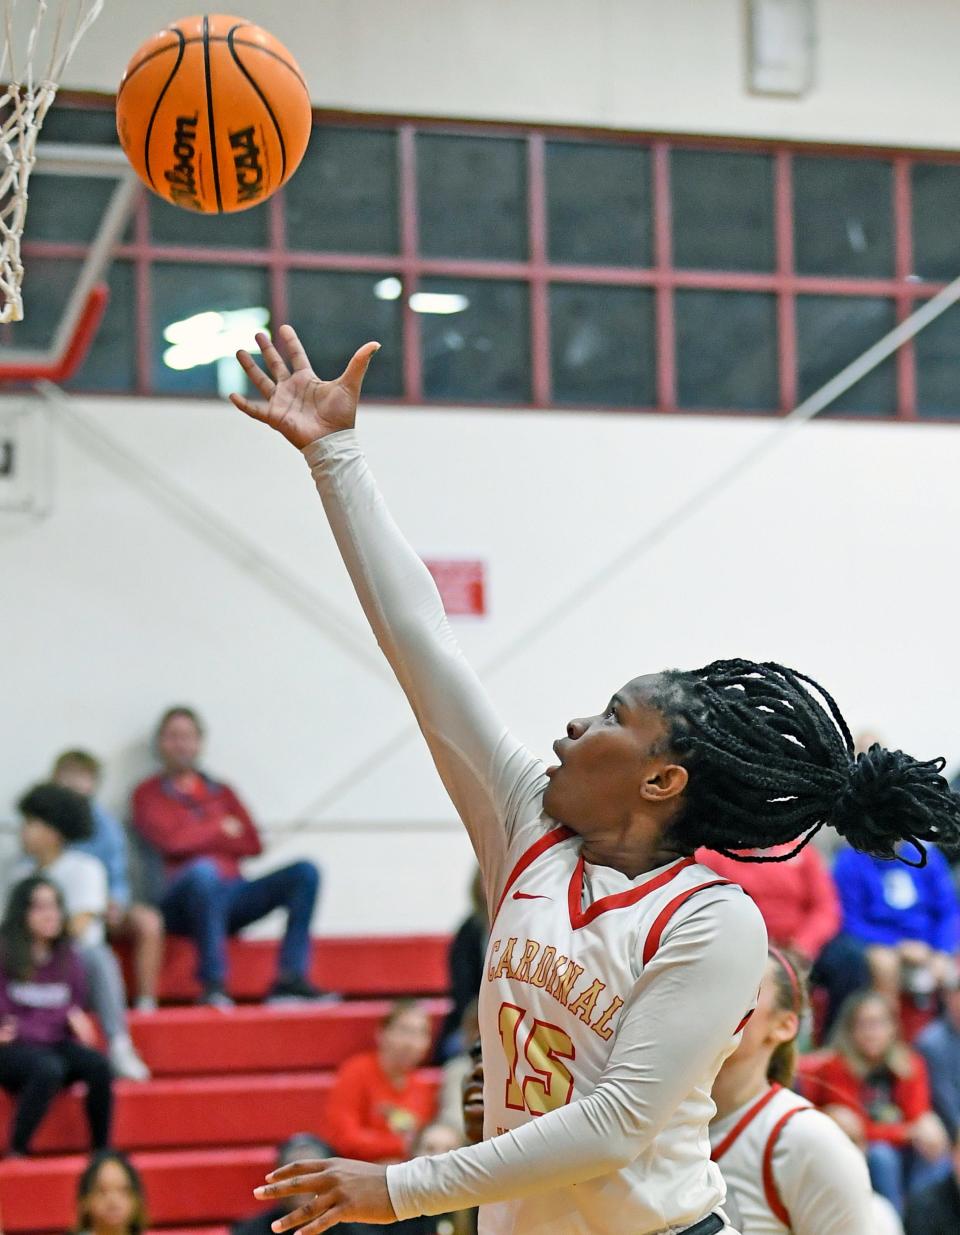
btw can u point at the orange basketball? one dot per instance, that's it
(213, 113)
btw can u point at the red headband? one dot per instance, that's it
(791, 973)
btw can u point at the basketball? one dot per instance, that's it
(213, 114)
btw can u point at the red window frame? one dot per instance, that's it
(903, 288)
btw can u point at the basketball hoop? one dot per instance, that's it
(39, 37)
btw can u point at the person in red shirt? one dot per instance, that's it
(379, 1100)
(201, 830)
(876, 1088)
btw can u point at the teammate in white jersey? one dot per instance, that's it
(789, 1169)
(619, 971)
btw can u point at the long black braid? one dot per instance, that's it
(770, 763)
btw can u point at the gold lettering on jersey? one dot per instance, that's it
(602, 1024)
(586, 1004)
(523, 969)
(505, 966)
(559, 976)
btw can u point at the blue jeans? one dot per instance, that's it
(202, 904)
(896, 1173)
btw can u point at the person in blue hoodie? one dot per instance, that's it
(906, 918)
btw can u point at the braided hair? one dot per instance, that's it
(771, 760)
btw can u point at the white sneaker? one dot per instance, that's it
(125, 1061)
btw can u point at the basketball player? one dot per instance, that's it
(619, 971)
(789, 1168)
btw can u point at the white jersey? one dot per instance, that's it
(791, 1170)
(610, 1003)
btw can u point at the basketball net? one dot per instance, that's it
(39, 37)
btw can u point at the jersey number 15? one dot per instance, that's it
(548, 1084)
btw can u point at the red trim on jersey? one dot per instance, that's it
(655, 933)
(619, 900)
(744, 1122)
(770, 1189)
(547, 841)
(744, 1021)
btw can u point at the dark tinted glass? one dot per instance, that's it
(111, 364)
(334, 313)
(598, 204)
(602, 345)
(727, 350)
(80, 124)
(184, 291)
(843, 216)
(832, 331)
(482, 352)
(47, 285)
(245, 229)
(343, 197)
(938, 366)
(722, 210)
(472, 196)
(66, 208)
(936, 219)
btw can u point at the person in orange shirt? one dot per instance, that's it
(379, 1101)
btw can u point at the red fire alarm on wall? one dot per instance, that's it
(461, 583)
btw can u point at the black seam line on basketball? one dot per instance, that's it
(214, 38)
(153, 114)
(208, 78)
(263, 99)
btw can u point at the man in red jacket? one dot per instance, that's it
(201, 829)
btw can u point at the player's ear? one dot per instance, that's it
(666, 782)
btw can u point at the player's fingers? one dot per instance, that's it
(271, 357)
(294, 349)
(256, 375)
(323, 1223)
(305, 1213)
(304, 1166)
(354, 373)
(258, 411)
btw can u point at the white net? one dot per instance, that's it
(39, 37)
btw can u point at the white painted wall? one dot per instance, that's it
(836, 554)
(886, 68)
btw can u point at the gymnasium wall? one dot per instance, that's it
(836, 554)
(886, 68)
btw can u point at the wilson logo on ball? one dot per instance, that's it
(246, 162)
(182, 178)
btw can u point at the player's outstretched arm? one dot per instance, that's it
(483, 768)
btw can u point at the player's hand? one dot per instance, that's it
(296, 402)
(344, 1191)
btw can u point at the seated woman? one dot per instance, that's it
(46, 1039)
(379, 1101)
(110, 1197)
(876, 1088)
(788, 1168)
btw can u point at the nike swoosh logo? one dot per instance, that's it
(530, 896)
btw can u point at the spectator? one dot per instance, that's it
(46, 1039)
(379, 1101)
(906, 918)
(54, 819)
(876, 1088)
(302, 1146)
(110, 1197)
(467, 952)
(939, 1044)
(141, 924)
(202, 830)
(456, 1071)
(936, 1209)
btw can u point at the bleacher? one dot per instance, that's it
(228, 1085)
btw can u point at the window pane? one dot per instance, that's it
(602, 345)
(183, 291)
(47, 285)
(938, 366)
(936, 220)
(111, 364)
(246, 229)
(481, 353)
(843, 216)
(343, 196)
(598, 204)
(472, 197)
(66, 208)
(334, 313)
(92, 126)
(832, 331)
(727, 350)
(722, 210)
